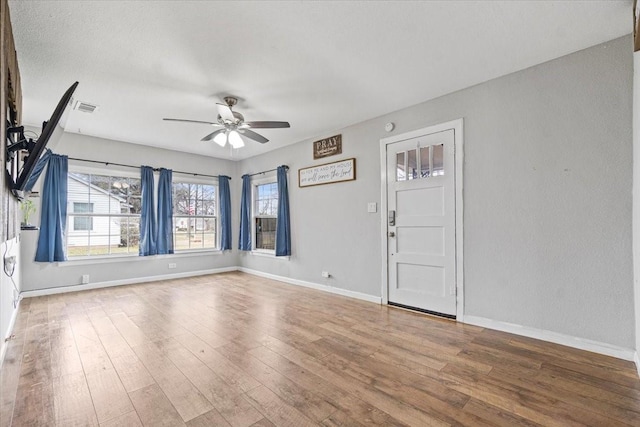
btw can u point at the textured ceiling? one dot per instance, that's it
(319, 65)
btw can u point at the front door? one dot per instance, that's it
(421, 222)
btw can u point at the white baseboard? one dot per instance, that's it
(8, 332)
(554, 337)
(317, 286)
(636, 358)
(132, 281)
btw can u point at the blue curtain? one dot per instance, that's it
(37, 170)
(244, 243)
(53, 211)
(225, 212)
(165, 213)
(283, 227)
(147, 218)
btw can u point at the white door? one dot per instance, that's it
(421, 223)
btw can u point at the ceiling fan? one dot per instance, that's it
(233, 127)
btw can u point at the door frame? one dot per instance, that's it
(458, 129)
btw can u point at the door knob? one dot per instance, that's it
(392, 234)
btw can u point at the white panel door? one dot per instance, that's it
(421, 222)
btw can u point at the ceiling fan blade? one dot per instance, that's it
(225, 112)
(267, 125)
(212, 135)
(192, 121)
(255, 136)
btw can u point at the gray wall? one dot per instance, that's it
(547, 198)
(636, 197)
(37, 276)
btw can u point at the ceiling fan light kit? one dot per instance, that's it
(233, 126)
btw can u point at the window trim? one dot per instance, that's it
(270, 179)
(199, 181)
(74, 169)
(114, 170)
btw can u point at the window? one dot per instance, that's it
(104, 215)
(265, 216)
(195, 222)
(82, 223)
(431, 163)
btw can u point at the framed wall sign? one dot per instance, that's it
(343, 170)
(327, 147)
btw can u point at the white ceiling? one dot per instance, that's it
(319, 65)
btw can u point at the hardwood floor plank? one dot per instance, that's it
(154, 409)
(211, 418)
(232, 374)
(225, 399)
(184, 396)
(237, 350)
(352, 406)
(109, 396)
(72, 401)
(130, 419)
(305, 400)
(130, 369)
(276, 409)
(34, 405)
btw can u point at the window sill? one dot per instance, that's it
(268, 254)
(134, 258)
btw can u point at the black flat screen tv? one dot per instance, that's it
(52, 131)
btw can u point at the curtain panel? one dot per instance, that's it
(283, 227)
(53, 211)
(148, 230)
(165, 212)
(225, 212)
(244, 241)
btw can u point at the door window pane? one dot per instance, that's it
(438, 160)
(425, 168)
(412, 165)
(401, 174)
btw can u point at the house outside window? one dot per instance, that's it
(104, 215)
(195, 216)
(265, 215)
(82, 223)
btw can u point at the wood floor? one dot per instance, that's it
(238, 350)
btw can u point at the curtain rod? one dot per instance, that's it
(138, 167)
(270, 170)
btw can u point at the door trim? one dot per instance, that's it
(458, 128)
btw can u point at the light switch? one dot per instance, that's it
(372, 207)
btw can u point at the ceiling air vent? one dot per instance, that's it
(85, 107)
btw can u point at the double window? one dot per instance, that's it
(195, 219)
(103, 215)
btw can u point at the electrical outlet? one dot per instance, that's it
(372, 207)
(85, 279)
(172, 265)
(326, 274)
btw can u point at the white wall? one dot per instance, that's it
(8, 293)
(38, 276)
(547, 190)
